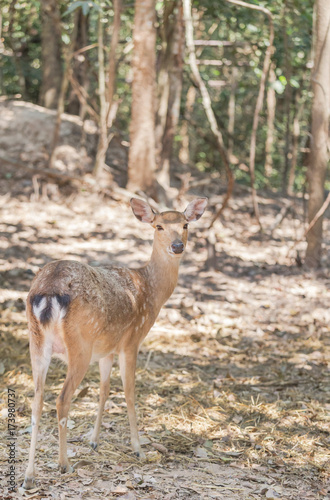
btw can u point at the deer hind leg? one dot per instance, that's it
(79, 359)
(40, 359)
(105, 365)
(127, 364)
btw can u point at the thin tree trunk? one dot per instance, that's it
(260, 98)
(184, 153)
(61, 98)
(271, 106)
(79, 63)
(320, 131)
(295, 141)
(141, 158)
(287, 99)
(107, 108)
(50, 53)
(163, 85)
(206, 104)
(103, 129)
(231, 111)
(112, 67)
(175, 73)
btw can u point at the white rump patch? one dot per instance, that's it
(58, 312)
(37, 309)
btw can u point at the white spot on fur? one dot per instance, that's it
(143, 320)
(33, 421)
(63, 422)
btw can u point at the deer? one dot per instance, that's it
(84, 314)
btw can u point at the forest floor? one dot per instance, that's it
(232, 381)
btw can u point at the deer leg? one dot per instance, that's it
(77, 367)
(40, 359)
(105, 365)
(127, 364)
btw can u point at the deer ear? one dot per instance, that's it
(195, 209)
(142, 210)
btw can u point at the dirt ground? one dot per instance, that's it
(232, 381)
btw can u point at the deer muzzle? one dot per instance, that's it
(177, 246)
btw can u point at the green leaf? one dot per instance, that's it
(294, 83)
(278, 87)
(85, 8)
(74, 6)
(252, 28)
(85, 5)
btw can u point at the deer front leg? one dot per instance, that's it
(127, 364)
(105, 365)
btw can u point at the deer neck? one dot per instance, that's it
(161, 273)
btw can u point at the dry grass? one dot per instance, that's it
(232, 382)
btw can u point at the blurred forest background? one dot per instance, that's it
(170, 100)
(217, 88)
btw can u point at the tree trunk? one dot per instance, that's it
(295, 140)
(141, 159)
(320, 123)
(231, 111)
(50, 53)
(260, 98)
(68, 54)
(112, 68)
(184, 153)
(103, 129)
(207, 105)
(79, 63)
(287, 98)
(271, 106)
(175, 72)
(107, 108)
(166, 33)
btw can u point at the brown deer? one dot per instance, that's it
(83, 314)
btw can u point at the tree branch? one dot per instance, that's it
(206, 104)
(312, 223)
(260, 98)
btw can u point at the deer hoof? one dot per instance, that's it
(140, 454)
(94, 445)
(29, 483)
(66, 469)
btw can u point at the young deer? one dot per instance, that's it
(83, 314)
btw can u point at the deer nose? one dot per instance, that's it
(177, 246)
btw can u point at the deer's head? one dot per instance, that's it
(171, 227)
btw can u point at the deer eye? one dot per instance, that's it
(160, 228)
(185, 226)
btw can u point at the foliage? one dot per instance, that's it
(246, 30)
